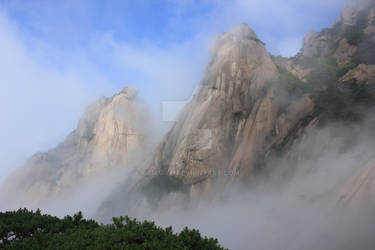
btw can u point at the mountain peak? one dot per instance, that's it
(353, 11)
(109, 134)
(131, 91)
(242, 31)
(240, 36)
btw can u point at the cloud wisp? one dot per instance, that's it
(57, 59)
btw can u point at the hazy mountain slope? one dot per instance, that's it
(110, 132)
(252, 108)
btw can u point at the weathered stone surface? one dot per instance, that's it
(225, 130)
(362, 74)
(316, 44)
(295, 69)
(238, 113)
(230, 127)
(293, 115)
(356, 18)
(370, 29)
(351, 13)
(109, 132)
(344, 52)
(240, 70)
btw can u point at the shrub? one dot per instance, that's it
(353, 35)
(25, 229)
(293, 86)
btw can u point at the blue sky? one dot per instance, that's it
(57, 56)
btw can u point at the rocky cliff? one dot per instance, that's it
(110, 132)
(251, 108)
(254, 117)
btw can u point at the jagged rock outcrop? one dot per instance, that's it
(239, 112)
(361, 74)
(346, 44)
(110, 132)
(249, 111)
(211, 129)
(345, 52)
(316, 44)
(354, 11)
(251, 108)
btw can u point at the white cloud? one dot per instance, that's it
(279, 21)
(39, 103)
(44, 88)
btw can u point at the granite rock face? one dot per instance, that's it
(345, 52)
(251, 107)
(361, 74)
(354, 10)
(237, 114)
(316, 44)
(110, 131)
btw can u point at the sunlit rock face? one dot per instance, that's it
(237, 115)
(252, 108)
(212, 127)
(110, 132)
(249, 112)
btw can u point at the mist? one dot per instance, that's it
(66, 63)
(46, 86)
(302, 209)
